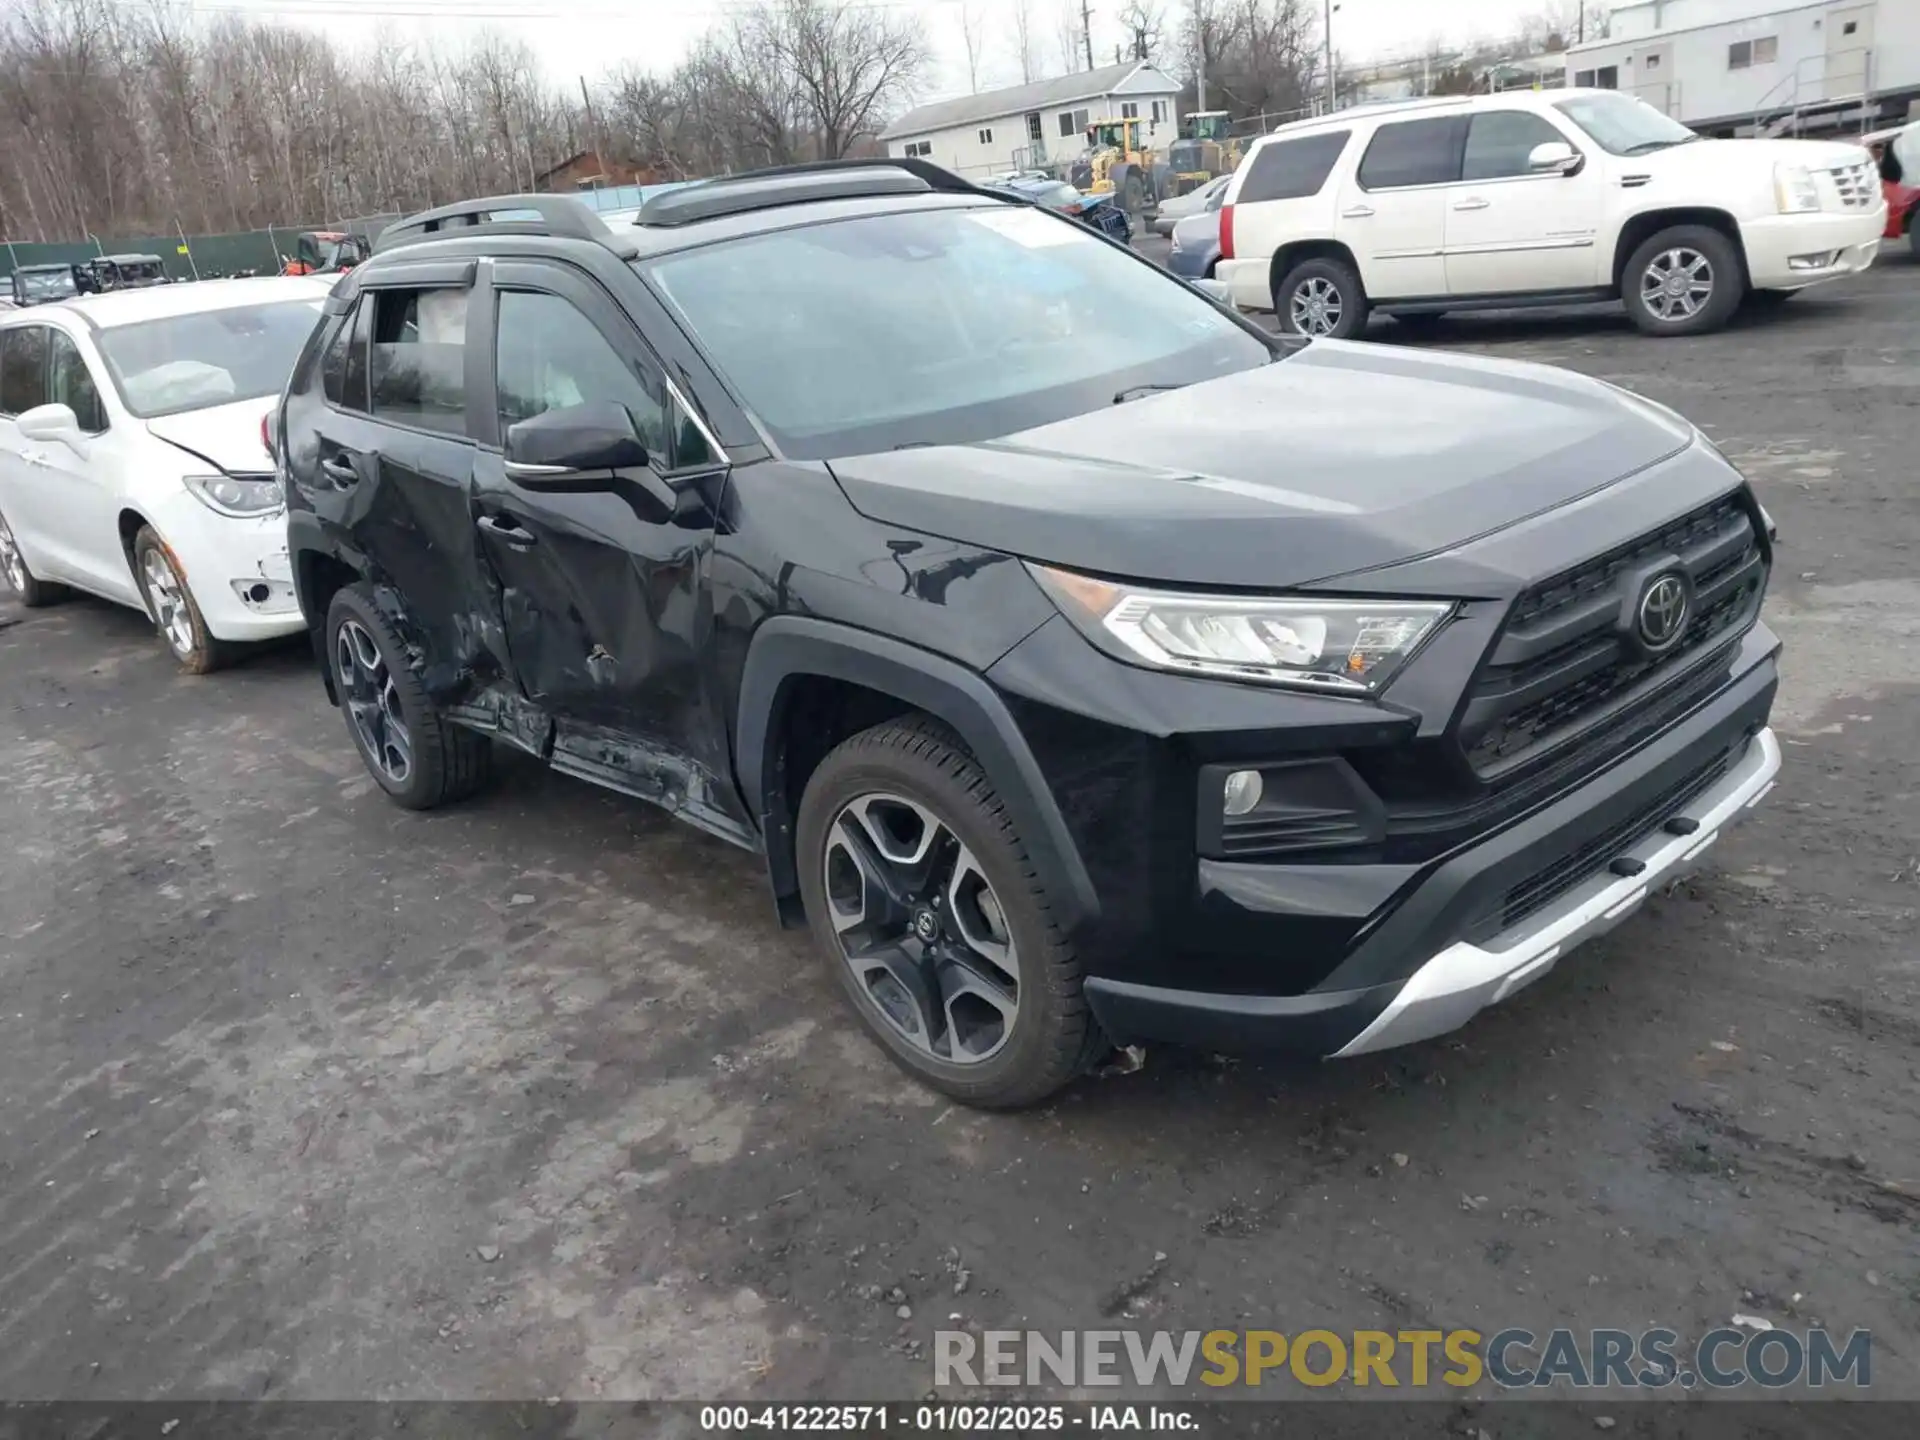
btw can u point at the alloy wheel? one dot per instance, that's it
(1316, 306)
(1676, 283)
(11, 565)
(373, 702)
(920, 928)
(169, 596)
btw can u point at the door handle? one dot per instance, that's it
(508, 532)
(1472, 202)
(1356, 212)
(338, 470)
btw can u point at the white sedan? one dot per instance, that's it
(133, 460)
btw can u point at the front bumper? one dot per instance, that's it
(1776, 242)
(237, 569)
(1438, 946)
(1463, 979)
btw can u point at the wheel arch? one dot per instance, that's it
(796, 664)
(1641, 227)
(1297, 251)
(318, 576)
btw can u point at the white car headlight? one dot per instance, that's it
(245, 497)
(1793, 189)
(1348, 646)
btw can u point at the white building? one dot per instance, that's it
(1731, 65)
(1031, 126)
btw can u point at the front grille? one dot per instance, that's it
(1859, 185)
(1551, 881)
(1564, 670)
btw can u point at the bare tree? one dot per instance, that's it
(971, 38)
(1145, 23)
(123, 122)
(1068, 39)
(1263, 56)
(1024, 46)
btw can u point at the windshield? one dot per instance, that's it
(47, 284)
(189, 362)
(1624, 125)
(939, 327)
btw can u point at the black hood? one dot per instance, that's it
(1342, 458)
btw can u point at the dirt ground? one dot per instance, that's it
(304, 1096)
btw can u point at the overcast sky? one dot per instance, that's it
(589, 37)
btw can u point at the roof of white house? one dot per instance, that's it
(1019, 99)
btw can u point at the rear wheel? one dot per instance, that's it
(1913, 237)
(1321, 298)
(1683, 281)
(419, 757)
(176, 614)
(13, 569)
(931, 917)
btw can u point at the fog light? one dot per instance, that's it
(1243, 791)
(1819, 260)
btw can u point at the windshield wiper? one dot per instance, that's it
(1646, 147)
(1134, 392)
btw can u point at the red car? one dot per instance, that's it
(1897, 152)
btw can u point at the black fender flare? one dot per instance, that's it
(787, 648)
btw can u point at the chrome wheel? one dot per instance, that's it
(1316, 306)
(11, 565)
(167, 593)
(921, 930)
(373, 702)
(1676, 284)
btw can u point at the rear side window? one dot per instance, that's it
(1414, 152)
(23, 368)
(417, 364)
(1292, 169)
(70, 383)
(1499, 142)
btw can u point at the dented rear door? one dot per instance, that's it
(393, 467)
(604, 587)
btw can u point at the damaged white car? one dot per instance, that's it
(133, 459)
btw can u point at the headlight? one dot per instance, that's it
(1351, 646)
(1793, 189)
(244, 497)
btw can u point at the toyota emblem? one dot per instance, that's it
(1663, 612)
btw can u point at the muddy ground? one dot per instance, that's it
(305, 1096)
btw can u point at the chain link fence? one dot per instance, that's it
(187, 257)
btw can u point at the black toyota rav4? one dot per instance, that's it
(1088, 666)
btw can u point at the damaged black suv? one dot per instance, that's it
(1089, 666)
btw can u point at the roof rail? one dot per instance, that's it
(799, 184)
(558, 215)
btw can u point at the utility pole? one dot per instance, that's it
(1086, 29)
(1200, 48)
(1327, 25)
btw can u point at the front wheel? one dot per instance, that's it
(175, 613)
(1321, 298)
(1683, 281)
(930, 915)
(418, 757)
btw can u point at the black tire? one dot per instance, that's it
(172, 608)
(15, 576)
(1332, 282)
(1913, 238)
(1130, 194)
(444, 761)
(1726, 277)
(1052, 1036)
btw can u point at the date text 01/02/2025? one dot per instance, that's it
(947, 1418)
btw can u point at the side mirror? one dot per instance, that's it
(560, 444)
(53, 425)
(1554, 157)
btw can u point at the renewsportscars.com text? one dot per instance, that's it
(1653, 1359)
